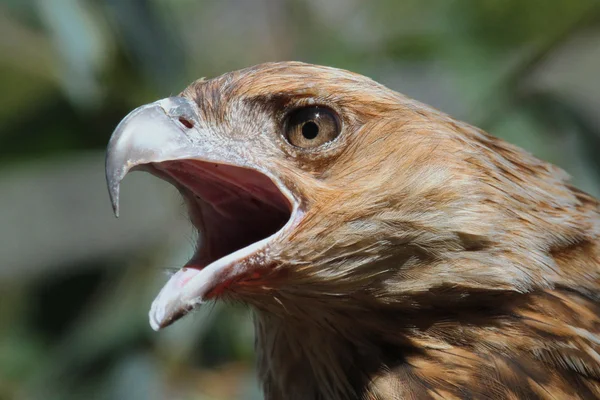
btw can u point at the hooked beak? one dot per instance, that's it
(149, 134)
(236, 204)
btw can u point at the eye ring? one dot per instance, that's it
(311, 127)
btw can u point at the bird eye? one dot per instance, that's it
(310, 127)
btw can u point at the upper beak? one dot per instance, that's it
(149, 134)
(166, 130)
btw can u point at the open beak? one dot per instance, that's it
(235, 202)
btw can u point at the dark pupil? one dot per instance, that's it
(310, 130)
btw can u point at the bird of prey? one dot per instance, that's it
(387, 250)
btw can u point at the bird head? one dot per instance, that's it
(317, 190)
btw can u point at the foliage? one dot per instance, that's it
(73, 325)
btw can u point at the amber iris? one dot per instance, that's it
(310, 127)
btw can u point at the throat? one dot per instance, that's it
(298, 361)
(305, 359)
(401, 355)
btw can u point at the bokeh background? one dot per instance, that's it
(76, 283)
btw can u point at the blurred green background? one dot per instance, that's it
(76, 283)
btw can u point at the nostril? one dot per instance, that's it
(187, 123)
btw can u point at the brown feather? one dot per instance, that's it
(434, 260)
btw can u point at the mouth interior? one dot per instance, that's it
(231, 207)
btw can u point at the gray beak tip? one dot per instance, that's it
(115, 205)
(113, 181)
(113, 193)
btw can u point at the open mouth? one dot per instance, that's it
(236, 211)
(231, 207)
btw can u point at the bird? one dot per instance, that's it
(387, 250)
